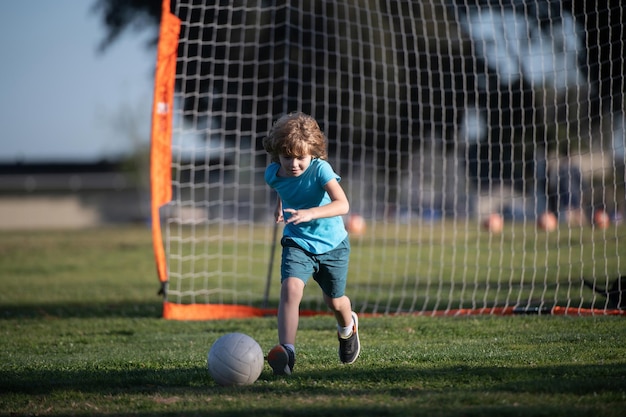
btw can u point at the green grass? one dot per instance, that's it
(81, 334)
(416, 266)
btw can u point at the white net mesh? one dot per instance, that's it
(444, 119)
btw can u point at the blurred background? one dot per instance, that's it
(77, 92)
(75, 115)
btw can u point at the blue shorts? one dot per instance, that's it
(329, 270)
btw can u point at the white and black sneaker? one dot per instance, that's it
(350, 347)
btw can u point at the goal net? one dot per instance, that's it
(482, 143)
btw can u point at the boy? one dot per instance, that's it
(315, 242)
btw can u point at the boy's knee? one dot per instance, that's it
(336, 304)
(292, 287)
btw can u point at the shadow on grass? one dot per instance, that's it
(384, 391)
(79, 310)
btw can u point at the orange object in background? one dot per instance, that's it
(547, 221)
(494, 223)
(356, 225)
(601, 219)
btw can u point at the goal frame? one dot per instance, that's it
(161, 196)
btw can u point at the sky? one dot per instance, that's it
(60, 98)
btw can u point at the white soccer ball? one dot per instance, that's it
(235, 359)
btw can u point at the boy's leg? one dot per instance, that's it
(282, 358)
(349, 344)
(291, 292)
(332, 276)
(341, 307)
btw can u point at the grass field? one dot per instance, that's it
(411, 266)
(81, 334)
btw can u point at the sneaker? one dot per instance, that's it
(350, 347)
(281, 360)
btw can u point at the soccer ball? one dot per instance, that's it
(235, 359)
(356, 225)
(601, 219)
(494, 223)
(547, 221)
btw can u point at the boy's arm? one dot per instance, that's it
(338, 206)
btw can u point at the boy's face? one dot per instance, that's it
(294, 166)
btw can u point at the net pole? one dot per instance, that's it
(270, 266)
(161, 133)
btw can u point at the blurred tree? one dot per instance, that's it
(327, 65)
(119, 15)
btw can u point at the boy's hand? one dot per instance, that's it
(278, 212)
(299, 216)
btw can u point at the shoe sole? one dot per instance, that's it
(279, 361)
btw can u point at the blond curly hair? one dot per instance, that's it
(293, 135)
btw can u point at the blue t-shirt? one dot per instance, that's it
(306, 191)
